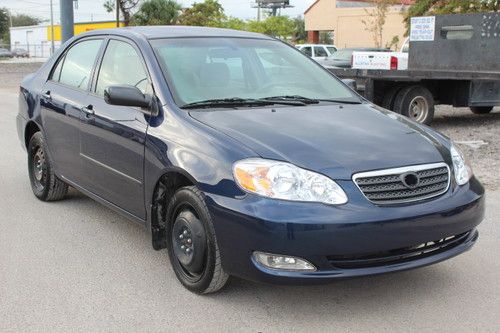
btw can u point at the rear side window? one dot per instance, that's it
(319, 51)
(76, 67)
(121, 65)
(307, 51)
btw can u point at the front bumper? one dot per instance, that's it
(316, 232)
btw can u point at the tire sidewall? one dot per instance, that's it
(182, 196)
(35, 142)
(406, 95)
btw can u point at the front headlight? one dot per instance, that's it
(461, 168)
(285, 181)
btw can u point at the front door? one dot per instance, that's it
(113, 137)
(63, 96)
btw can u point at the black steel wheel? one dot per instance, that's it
(192, 245)
(481, 109)
(44, 183)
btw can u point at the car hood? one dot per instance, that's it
(336, 140)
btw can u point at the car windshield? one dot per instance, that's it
(204, 69)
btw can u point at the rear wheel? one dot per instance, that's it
(481, 109)
(416, 103)
(192, 245)
(390, 97)
(44, 183)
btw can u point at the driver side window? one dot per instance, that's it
(121, 64)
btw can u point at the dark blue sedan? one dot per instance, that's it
(243, 157)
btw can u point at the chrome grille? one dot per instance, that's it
(389, 186)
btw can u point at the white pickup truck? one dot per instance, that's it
(381, 60)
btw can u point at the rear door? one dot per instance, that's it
(113, 137)
(63, 96)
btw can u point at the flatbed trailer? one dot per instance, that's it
(460, 66)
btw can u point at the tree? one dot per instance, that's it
(299, 27)
(206, 14)
(4, 23)
(157, 12)
(126, 7)
(22, 20)
(376, 20)
(436, 7)
(234, 23)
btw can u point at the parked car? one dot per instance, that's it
(4, 53)
(239, 166)
(20, 53)
(319, 52)
(343, 58)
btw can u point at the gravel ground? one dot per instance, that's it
(477, 135)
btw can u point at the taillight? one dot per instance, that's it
(394, 63)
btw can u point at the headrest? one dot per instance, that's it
(214, 74)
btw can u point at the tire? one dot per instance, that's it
(390, 97)
(415, 102)
(481, 109)
(44, 183)
(190, 225)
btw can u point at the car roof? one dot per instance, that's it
(315, 45)
(170, 31)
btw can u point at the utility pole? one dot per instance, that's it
(52, 47)
(67, 20)
(117, 13)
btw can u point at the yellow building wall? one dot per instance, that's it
(81, 28)
(347, 24)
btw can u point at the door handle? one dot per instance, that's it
(46, 95)
(88, 110)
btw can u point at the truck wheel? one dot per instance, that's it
(44, 183)
(390, 97)
(481, 109)
(416, 103)
(192, 245)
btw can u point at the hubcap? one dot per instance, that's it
(39, 164)
(189, 242)
(419, 108)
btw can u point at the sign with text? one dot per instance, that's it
(422, 28)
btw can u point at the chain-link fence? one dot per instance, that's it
(35, 50)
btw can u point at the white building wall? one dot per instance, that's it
(33, 39)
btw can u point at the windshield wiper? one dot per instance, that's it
(224, 102)
(236, 101)
(291, 98)
(342, 101)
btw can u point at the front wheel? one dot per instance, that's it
(44, 183)
(481, 109)
(192, 245)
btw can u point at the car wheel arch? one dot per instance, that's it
(166, 185)
(30, 129)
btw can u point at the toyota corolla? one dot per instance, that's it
(243, 157)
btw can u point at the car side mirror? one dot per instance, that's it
(126, 95)
(350, 83)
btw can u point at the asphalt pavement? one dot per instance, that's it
(76, 266)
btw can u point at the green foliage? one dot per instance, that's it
(126, 7)
(207, 14)
(436, 7)
(234, 23)
(157, 12)
(325, 37)
(4, 23)
(21, 20)
(276, 26)
(393, 43)
(299, 27)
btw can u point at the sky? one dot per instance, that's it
(93, 10)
